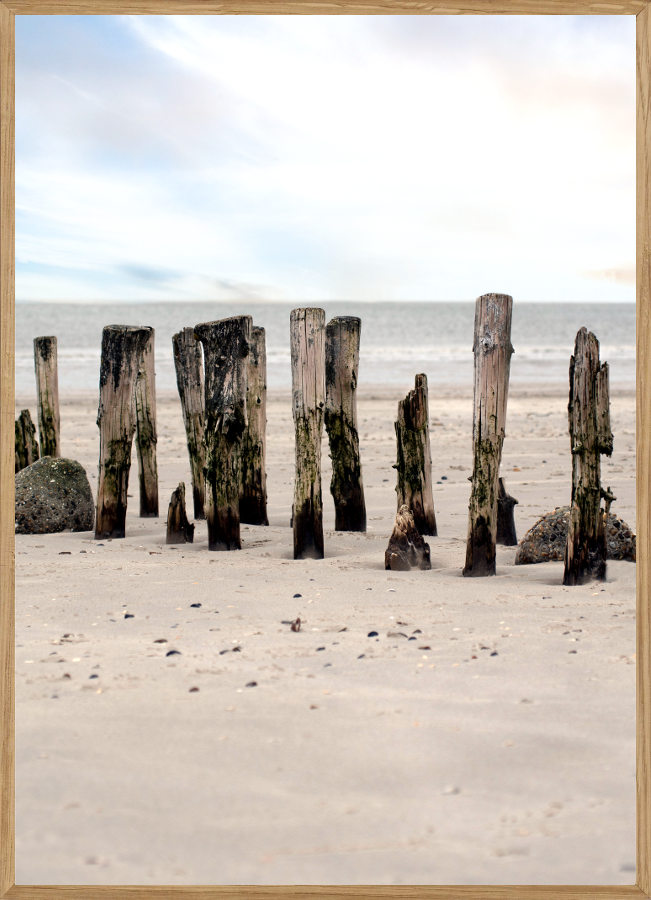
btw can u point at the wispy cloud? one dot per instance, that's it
(324, 157)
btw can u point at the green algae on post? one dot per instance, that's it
(253, 501)
(47, 395)
(414, 458)
(188, 362)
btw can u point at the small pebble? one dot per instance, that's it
(128, 616)
(320, 648)
(160, 641)
(361, 656)
(297, 595)
(195, 605)
(495, 653)
(372, 634)
(193, 690)
(92, 676)
(251, 684)
(173, 653)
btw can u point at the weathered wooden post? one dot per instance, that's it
(307, 342)
(414, 462)
(492, 348)
(253, 500)
(47, 395)
(341, 368)
(122, 350)
(590, 436)
(506, 533)
(179, 530)
(145, 399)
(26, 446)
(188, 362)
(226, 346)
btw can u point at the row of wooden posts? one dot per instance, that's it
(221, 377)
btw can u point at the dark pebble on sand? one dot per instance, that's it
(251, 684)
(129, 616)
(160, 641)
(326, 665)
(320, 648)
(193, 690)
(361, 656)
(427, 647)
(372, 634)
(572, 651)
(412, 638)
(195, 605)
(237, 649)
(93, 676)
(173, 653)
(494, 653)
(297, 595)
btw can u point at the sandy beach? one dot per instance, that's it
(486, 735)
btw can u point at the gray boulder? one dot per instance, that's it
(53, 495)
(547, 538)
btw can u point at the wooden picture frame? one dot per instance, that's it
(8, 10)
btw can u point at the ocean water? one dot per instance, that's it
(398, 341)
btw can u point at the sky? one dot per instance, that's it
(315, 158)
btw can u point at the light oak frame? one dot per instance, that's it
(10, 8)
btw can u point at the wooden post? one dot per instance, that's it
(414, 462)
(225, 350)
(122, 350)
(492, 348)
(407, 549)
(506, 533)
(307, 334)
(26, 446)
(145, 400)
(188, 362)
(341, 367)
(253, 501)
(590, 436)
(47, 395)
(179, 530)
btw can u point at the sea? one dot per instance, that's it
(398, 340)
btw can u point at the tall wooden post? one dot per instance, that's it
(188, 362)
(590, 436)
(307, 334)
(122, 350)
(26, 446)
(253, 501)
(145, 400)
(226, 345)
(47, 395)
(492, 348)
(414, 462)
(341, 368)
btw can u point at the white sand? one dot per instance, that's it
(404, 766)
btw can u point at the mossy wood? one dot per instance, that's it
(590, 436)
(341, 368)
(179, 530)
(226, 345)
(414, 457)
(188, 362)
(307, 344)
(492, 350)
(506, 533)
(145, 408)
(26, 444)
(122, 350)
(253, 500)
(47, 395)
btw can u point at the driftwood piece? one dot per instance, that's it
(26, 445)
(492, 349)
(145, 408)
(122, 350)
(188, 362)
(407, 549)
(47, 395)
(506, 534)
(179, 530)
(341, 368)
(253, 500)
(590, 436)
(414, 457)
(307, 343)
(225, 350)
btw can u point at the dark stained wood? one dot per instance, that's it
(179, 530)
(492, 349)
(590, 437)
(26, 445)
(122, 350)
(341, 368)
(253, 500)
(146, 437)
(226, 346)
(47, 395)
(414, 457)
(307, 344)
(506, 533)
(407, 549)
(188, 362)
